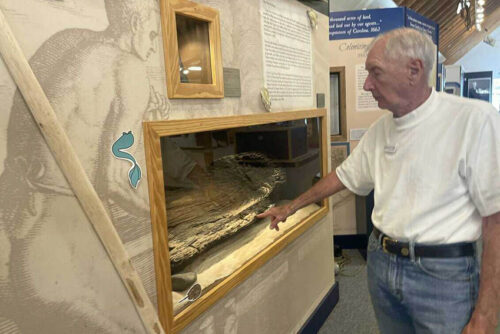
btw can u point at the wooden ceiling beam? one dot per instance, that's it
(456, 35)
(432, 8)
(408, 3)
(452, 25)
(491, 22)
(451, 17)
(448, 11)
(420, 5)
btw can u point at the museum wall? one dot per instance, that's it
(350, 53)
(103, 79)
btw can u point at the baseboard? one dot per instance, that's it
(322, 311)
(351, 241)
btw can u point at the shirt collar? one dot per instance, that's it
(415, 116)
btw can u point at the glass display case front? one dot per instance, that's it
(215, 182)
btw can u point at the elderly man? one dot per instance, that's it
(434, 163)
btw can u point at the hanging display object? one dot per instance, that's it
(265, 98)
(192, 49)
(313, 18)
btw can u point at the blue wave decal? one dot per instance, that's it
(124, 142)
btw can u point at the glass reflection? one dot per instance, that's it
(216, 182)
(194, 50)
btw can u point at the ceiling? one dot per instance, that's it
(454, 39)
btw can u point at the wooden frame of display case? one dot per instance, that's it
(153, 131)
(192, 10)
(342, 105)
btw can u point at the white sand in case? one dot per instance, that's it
(225, 258)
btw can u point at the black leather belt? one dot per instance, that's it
(393, 246)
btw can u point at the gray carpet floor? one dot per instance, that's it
(354, 312)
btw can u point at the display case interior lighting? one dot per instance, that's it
(479, 13)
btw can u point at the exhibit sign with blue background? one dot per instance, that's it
(372, 22)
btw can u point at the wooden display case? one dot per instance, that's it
(192, 49)
(173, 318)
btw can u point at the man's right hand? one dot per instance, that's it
(277, 214)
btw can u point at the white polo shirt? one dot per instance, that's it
(435, 171)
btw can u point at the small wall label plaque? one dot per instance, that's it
(232, 84)
(320, 100)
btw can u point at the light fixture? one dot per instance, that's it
(479, 13)
(464, 10)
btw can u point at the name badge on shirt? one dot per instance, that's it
(391, 148)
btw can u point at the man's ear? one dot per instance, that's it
(134, 22)
(415, 70)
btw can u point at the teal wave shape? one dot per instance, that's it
(124, 142)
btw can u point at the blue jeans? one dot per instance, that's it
(421, 295)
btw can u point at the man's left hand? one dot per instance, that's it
(479, 324)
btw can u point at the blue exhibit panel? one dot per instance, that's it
(372, 22)
(419, 22)
(365, 23)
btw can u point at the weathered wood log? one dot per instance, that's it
(228, 201)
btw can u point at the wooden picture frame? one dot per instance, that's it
(153, 132)
(340, 70)
(204, 51)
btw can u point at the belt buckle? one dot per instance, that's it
(384, 243)
(404, 250)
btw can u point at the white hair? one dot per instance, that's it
(408, 43)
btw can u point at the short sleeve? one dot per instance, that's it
(354, 172)
(484, 167)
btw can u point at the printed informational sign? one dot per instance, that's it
(365, 23)
(287, 54)
(370, 23)
(364, 99)
(421, 23)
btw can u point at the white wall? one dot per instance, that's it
(483, 57)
